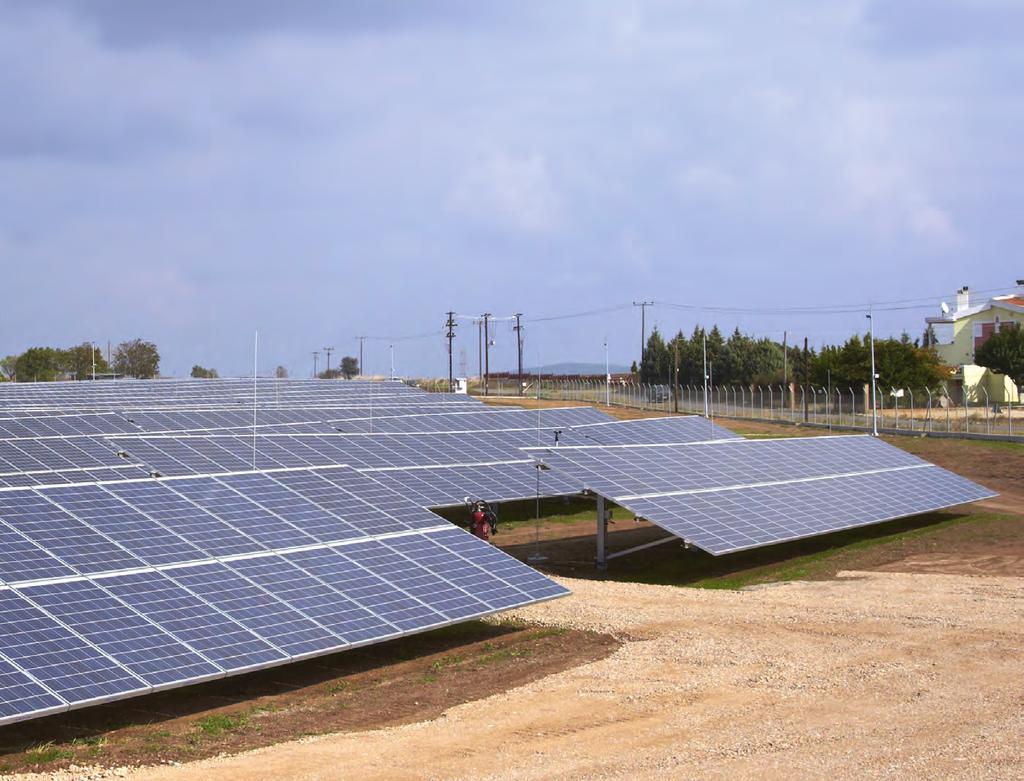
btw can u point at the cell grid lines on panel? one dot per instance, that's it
(449, 486)
(460, 571)
(255, 608)
(313, 488)
(180, 612)
(383, 560)
(57, 532)
(116, 629)
(375, 509)
(201, 528)
(112, 516)
(499, 564)
(20, 695)
(311, 520)
(375, 594)
(21, 559)
(652, 469)
(314, 597)
(647, 431)
(239, 512)
(57, 657)
(474, 420)
(730, 520)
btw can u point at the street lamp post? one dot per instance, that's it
(874, 376)
(607, 376)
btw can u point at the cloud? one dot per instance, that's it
(323, 169)
(507, 191)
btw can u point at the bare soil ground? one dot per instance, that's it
(871, 675)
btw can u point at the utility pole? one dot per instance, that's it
(480, 349)
(607, 376)
(643, 326)
(392, 348)
(450, 325)
(361, 339)
(807, 373)
(785, 361)
(316, 355)
(519, 348)
(706, 375)
(675, 379)
(328, 350)
(874, 376)
(487, 355)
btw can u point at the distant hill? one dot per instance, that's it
(575, 368)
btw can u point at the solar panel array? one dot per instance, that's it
(116, 589)
(732, 495)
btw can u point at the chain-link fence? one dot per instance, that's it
(900, 410)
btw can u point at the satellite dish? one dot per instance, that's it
(945, 308)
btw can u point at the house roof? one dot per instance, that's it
(1012, 303)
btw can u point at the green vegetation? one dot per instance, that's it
(219, 723)
(1003, 352)
(813, 558)
(744, 360)
(202, 373)
(47, 752)
(135, 358)
(553, 511)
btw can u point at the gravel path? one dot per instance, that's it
(873, 675)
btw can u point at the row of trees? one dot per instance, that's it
(744, 360)
(134, 358)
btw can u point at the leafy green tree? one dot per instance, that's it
(8, 366)
(137, 358)
(280, 372)
(1003, 353)
(656, 364)
(38, 364)
(78, 361)
(900, 363)
(349, 367)
(203, 373)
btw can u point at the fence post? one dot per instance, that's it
(988, 412)
(928, 412)
(967, 412)
(911, 392)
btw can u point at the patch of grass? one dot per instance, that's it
(219, 723)
(820, 562)
(546, 631)
(494, 656)
(45, 753)
(93, 744)
(338, 687)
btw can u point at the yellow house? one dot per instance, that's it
(957, 333)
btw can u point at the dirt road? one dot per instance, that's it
(872, 675)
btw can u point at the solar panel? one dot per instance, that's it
(490, 419)
(647, 431)
(732, 495)
(444, 486)
(120, 588)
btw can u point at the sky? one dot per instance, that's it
(192, 172)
